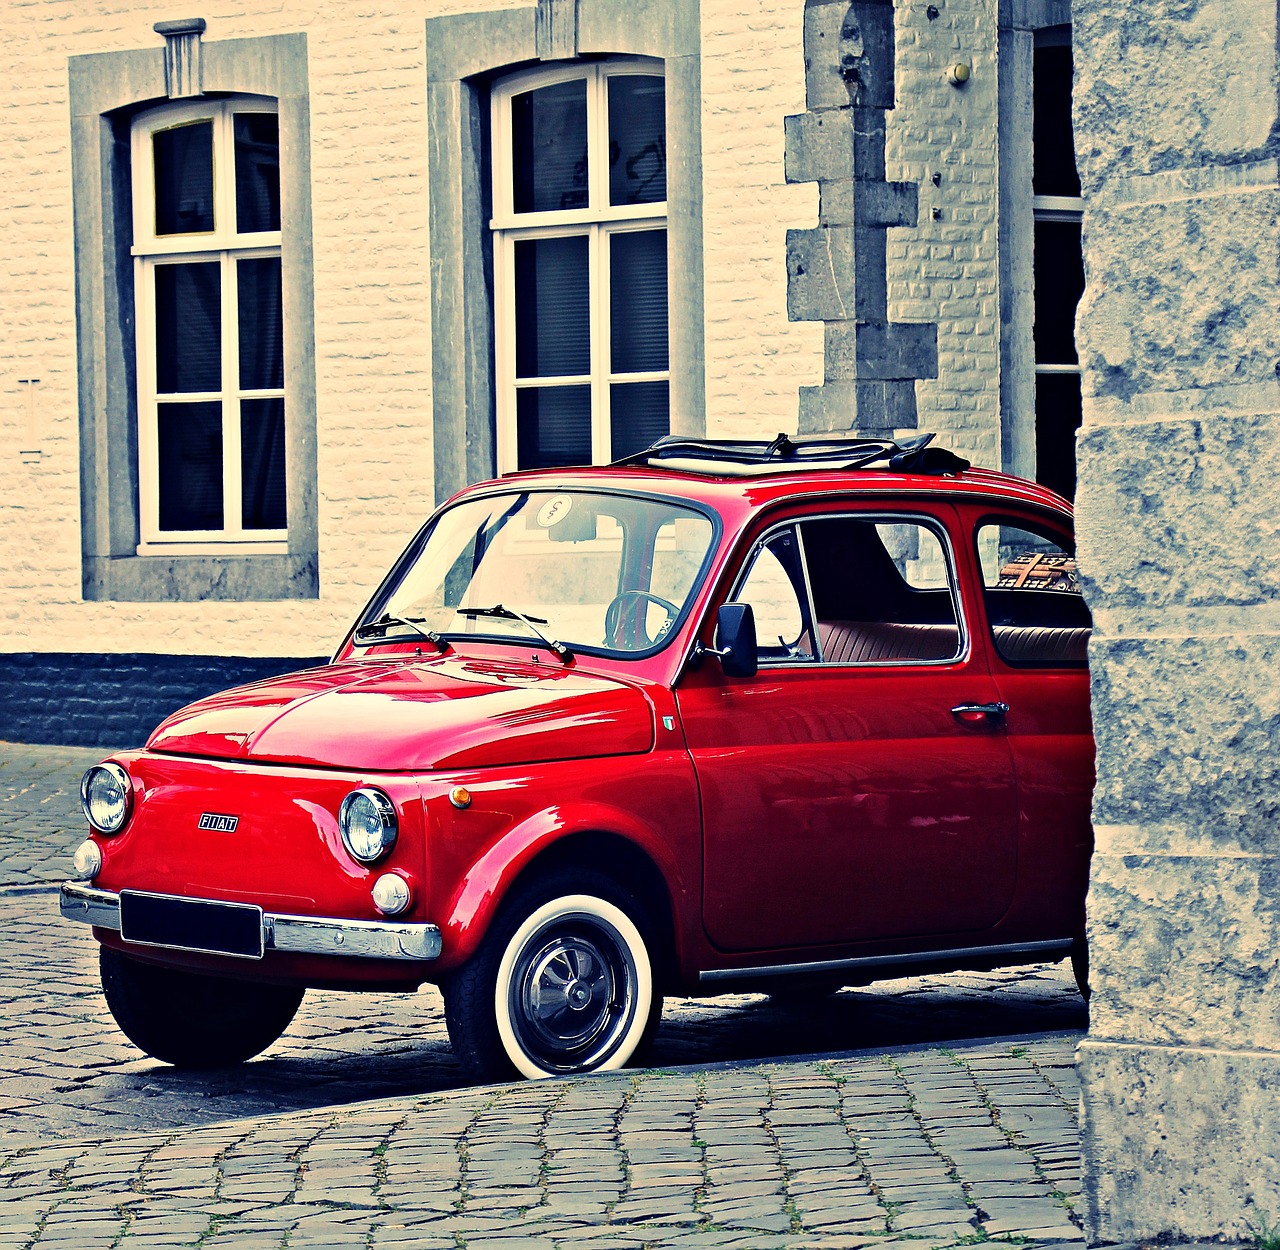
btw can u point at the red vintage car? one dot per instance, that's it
(726, 716)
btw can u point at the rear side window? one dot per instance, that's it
(1037, 614)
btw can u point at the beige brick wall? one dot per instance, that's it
(946, 271)
(370, 195)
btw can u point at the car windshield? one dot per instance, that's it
(593, 571)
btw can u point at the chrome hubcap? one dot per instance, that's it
(573, 994)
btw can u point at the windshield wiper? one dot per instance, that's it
(376, 631)
(510, 614)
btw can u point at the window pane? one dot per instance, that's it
(641, 414)
(549, 148)
(190, 440)
(257, 138)
(1059, 283)
(1054, 162)
(262, 481)
(261, 331)
(188, 327)
(637, 139)
(1057, 420)
(553, 308)
(184, 178)
(638, 300)
(553, 426)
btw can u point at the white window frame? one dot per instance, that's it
(598, 222)
(224, 246)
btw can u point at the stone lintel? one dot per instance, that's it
(1180, 1141)
(819, 145)
(872, 407)
(881, 350)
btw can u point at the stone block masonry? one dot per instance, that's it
(1177, 136)
(837, 273)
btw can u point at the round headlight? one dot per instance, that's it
(105, 795)
(367, 820)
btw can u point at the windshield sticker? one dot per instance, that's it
(555, 509)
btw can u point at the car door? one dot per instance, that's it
(843, 800)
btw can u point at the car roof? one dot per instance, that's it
(734, 492)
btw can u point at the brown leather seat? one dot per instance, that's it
(868, 642)
(1021, 644)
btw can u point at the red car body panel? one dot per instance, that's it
(791, 817)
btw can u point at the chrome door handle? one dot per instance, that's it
(976, 713)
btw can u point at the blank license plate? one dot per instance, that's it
(191, 924)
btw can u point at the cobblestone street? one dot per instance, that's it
(353, 1129)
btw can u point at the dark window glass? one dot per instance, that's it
(1059, 282)
(549, 148)
(188, 327)
(190, 441)
(262, 480)
(257, 139)
(553, 426)
(553, 308)
(1057, 420)
(261, 332)
(638, 300)
(184, 178)
(637, 139)
(1054, 168)
(640, 415)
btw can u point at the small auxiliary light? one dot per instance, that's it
(87, 861)
(460, 797)
(390, 894)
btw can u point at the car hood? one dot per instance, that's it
(445, 712)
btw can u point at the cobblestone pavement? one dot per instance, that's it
(40, 818)
(100, 1146)
(937, 1146)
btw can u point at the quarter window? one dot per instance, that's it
(210, 337)
(1037, 614)
(580, 264)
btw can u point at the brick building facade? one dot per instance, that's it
(389, 362)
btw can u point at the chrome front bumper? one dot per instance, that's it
(305, 935)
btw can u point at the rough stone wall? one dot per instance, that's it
(1176, 132)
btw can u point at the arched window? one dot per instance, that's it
(579, 224)
(210, 338)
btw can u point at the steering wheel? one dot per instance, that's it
(640, 638)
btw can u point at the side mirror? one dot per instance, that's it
(736, 634)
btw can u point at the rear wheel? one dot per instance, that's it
(562, 983)
(191, 1020)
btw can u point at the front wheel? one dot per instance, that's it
(563, 983)
(191, 1020)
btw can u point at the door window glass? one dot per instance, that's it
(883, 591)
